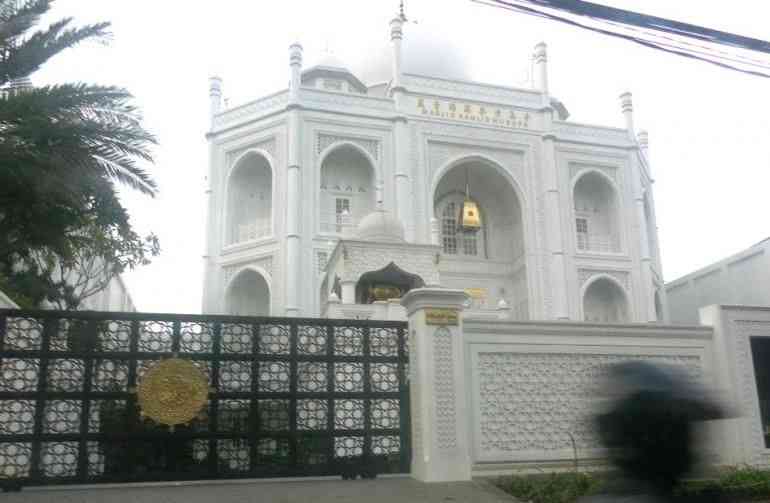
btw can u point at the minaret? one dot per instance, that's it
(554, 226)
(215, 96)
(209, 246)
(293, 202)
(402, 169)
(648, 304)
(540, 60)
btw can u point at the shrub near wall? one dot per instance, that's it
(731, 485)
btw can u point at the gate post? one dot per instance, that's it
(439, 410)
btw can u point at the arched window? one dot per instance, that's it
(249, 200)
(596, 214)
(347, 189)
(605, 302)
(453, 240)
(248, 295)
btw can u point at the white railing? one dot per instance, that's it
(253, 230)
(339, 223)
(603, 243)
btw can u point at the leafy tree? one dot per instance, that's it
(63, 148)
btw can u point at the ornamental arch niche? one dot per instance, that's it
(492, 260)
(249, 211)
(596, 205)
(347, 187)
(605, 301)
(248, 294)
(390, 282)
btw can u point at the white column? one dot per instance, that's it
(215, 96)
(211, 237)
(540, 60)
(648, 291)
(554, 230)
(401, 170)
(293, 201)
(626, 105)
(348, 292)
(439, 411)
(435, 231)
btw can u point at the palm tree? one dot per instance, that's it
(62, 150)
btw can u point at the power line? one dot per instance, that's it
(655, 40)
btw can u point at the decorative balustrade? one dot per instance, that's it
(602, 243)
(338, 223)
(253, 230)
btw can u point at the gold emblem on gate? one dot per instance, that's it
(173, 392)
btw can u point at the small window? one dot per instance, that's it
(342, 213)
(582, 225)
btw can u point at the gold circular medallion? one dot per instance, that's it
(173, 392)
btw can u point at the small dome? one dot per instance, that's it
(380, 225)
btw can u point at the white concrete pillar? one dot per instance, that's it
(348, 292)
(648, 290)
(627, 107)
(554, 230)
(540, 60)
(293, 195)
(215, 96)
(643, 137)
(440, 414)
(401, 171)
(396, 34)
(435, 231)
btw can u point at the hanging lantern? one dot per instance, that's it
(469, 219)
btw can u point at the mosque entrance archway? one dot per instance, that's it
(491, 261)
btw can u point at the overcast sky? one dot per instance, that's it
(709, 128)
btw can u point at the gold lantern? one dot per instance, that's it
(469, 219)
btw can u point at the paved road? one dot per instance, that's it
(385, 490)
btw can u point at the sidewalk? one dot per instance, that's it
(384, 490)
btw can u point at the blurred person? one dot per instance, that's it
(649, 430)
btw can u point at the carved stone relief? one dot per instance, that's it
(369, 145)
(444, 389)
(533, 401)
(265, 263)
(584, 275)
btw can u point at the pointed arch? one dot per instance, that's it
(348, 177)
(248, 293)
(501, 242)
(597, 215)
(249, 196)
(605, 300)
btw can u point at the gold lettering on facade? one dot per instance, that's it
(476, 293)
(441, 316)
(475, 113)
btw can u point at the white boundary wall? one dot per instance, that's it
(490, 395)
(741, 439)
(533, 387)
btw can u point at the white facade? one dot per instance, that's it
(568, 217)
(741, 279)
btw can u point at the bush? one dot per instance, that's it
(551, 488)
(742, 484)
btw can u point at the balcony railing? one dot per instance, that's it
(339, 223)
(253, 230)
(602, 243)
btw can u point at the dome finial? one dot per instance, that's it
(401, 11)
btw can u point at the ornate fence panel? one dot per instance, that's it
(286, 397)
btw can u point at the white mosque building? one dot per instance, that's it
(343, 191)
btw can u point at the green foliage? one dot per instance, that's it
(63, 231)
(741, 484)
(733, 484)
(550, 488)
